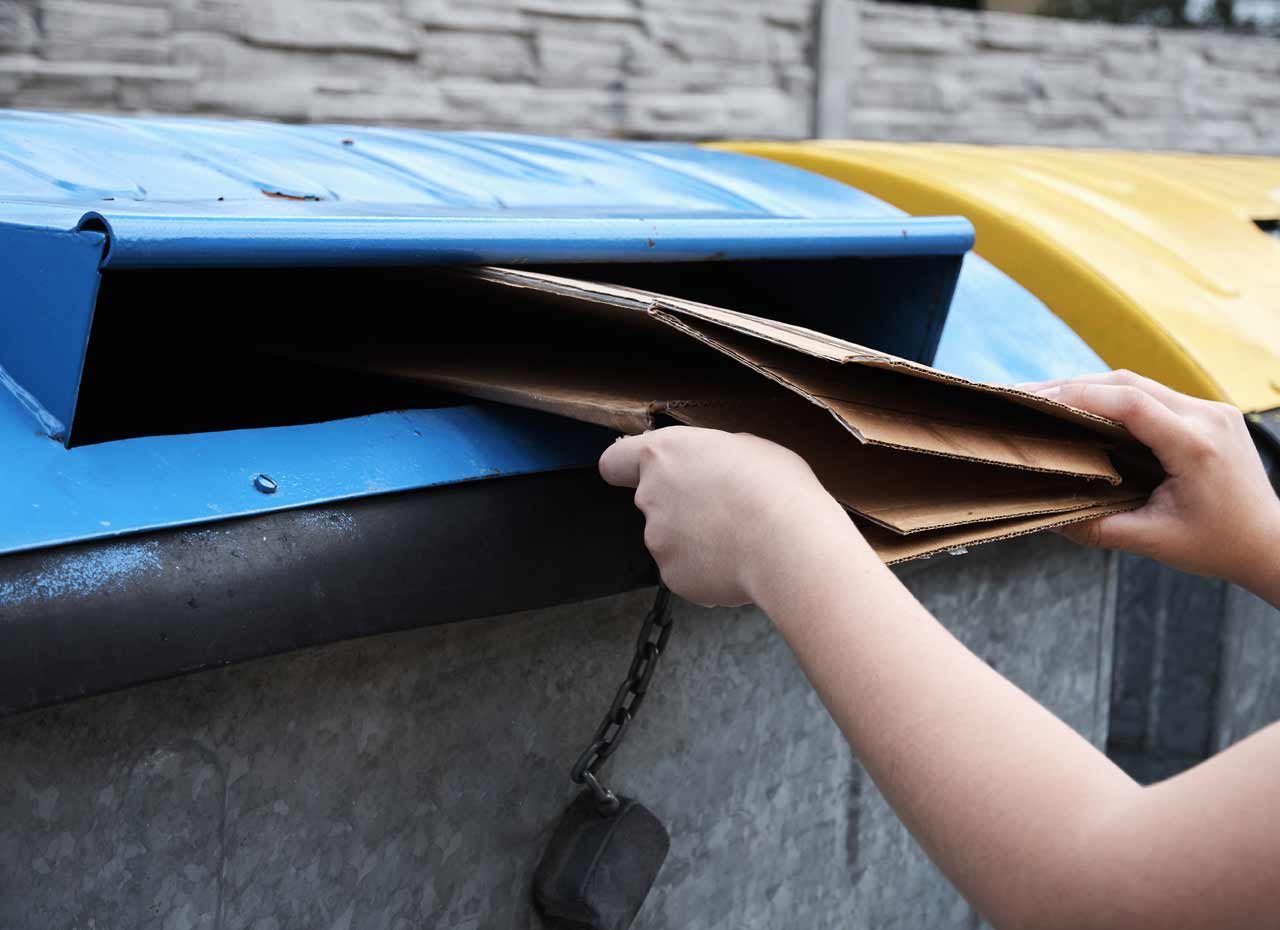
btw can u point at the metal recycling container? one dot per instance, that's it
(147, 262)
(178, 496)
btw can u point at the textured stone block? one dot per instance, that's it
(1068, 114)
(569, 62)
(1240, 53)
(470, 15)
(328, 24)
(154, 51)
(618, 10)
(700, 77)
(708, 36)
(82, 20)
(1131, 100)
(485, 105)
(992, 127)
(478, 55)
(208, 15)
(409, 105)
(920, 35)
(1151, 66)
(1065, 79)
(900, 91)
(18, 31)
(1013, 33)
(280, 99)
(892, 123)
(787, 45)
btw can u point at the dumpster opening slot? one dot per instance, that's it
(198, 350)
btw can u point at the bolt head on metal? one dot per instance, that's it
(265, 484)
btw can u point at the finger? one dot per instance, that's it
(1179, 403)
(1133, 531)
(620, 463)
(1032, 387)
(1153, 424)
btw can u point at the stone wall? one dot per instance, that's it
(588, 67)
(997, 77)
(686, 69)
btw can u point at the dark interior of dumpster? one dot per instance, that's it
(228, 345)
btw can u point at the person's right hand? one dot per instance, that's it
(1216, 513)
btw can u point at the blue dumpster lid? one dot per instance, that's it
(80, 195)
(186, 192)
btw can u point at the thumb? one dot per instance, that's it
(620, 463)
(1133, 531)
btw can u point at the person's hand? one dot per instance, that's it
(1216, 513)
(720, 508)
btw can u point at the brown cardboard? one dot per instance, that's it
(904, 492)
(927, 461)
(805, 361)
(893, 548)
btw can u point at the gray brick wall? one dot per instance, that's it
(642, 68)
(927, 73)
(698, 68)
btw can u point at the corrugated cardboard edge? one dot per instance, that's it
(894, 549)
(634, 419)
(1082, 503)
(1101, 467)
(825, 346)
(843, 352)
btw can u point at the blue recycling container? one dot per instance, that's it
(181, 491)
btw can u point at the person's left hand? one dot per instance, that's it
(718, 507)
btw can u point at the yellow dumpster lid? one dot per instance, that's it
(1155, 259)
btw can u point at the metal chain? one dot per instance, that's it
(609, 735)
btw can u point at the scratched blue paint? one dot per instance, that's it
(77, 192)
(83, 575)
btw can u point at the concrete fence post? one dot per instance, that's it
(836, 47)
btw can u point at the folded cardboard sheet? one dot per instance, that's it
(927, 462)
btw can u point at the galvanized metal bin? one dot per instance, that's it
(173, 505)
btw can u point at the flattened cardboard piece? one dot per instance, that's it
(800, 368)
(875, 417)
(884, 485)
(626, 399)
(901, 491)
(788, 335)
(820, 345)
(893, 548)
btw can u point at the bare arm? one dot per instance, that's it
(1034, 825)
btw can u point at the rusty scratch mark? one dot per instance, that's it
(281, 195)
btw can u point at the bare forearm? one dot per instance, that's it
(999, 792)
(1260, 570)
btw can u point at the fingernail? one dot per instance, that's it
(1050, 392)
(1027, 385)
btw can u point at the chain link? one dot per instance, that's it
(650, 645)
